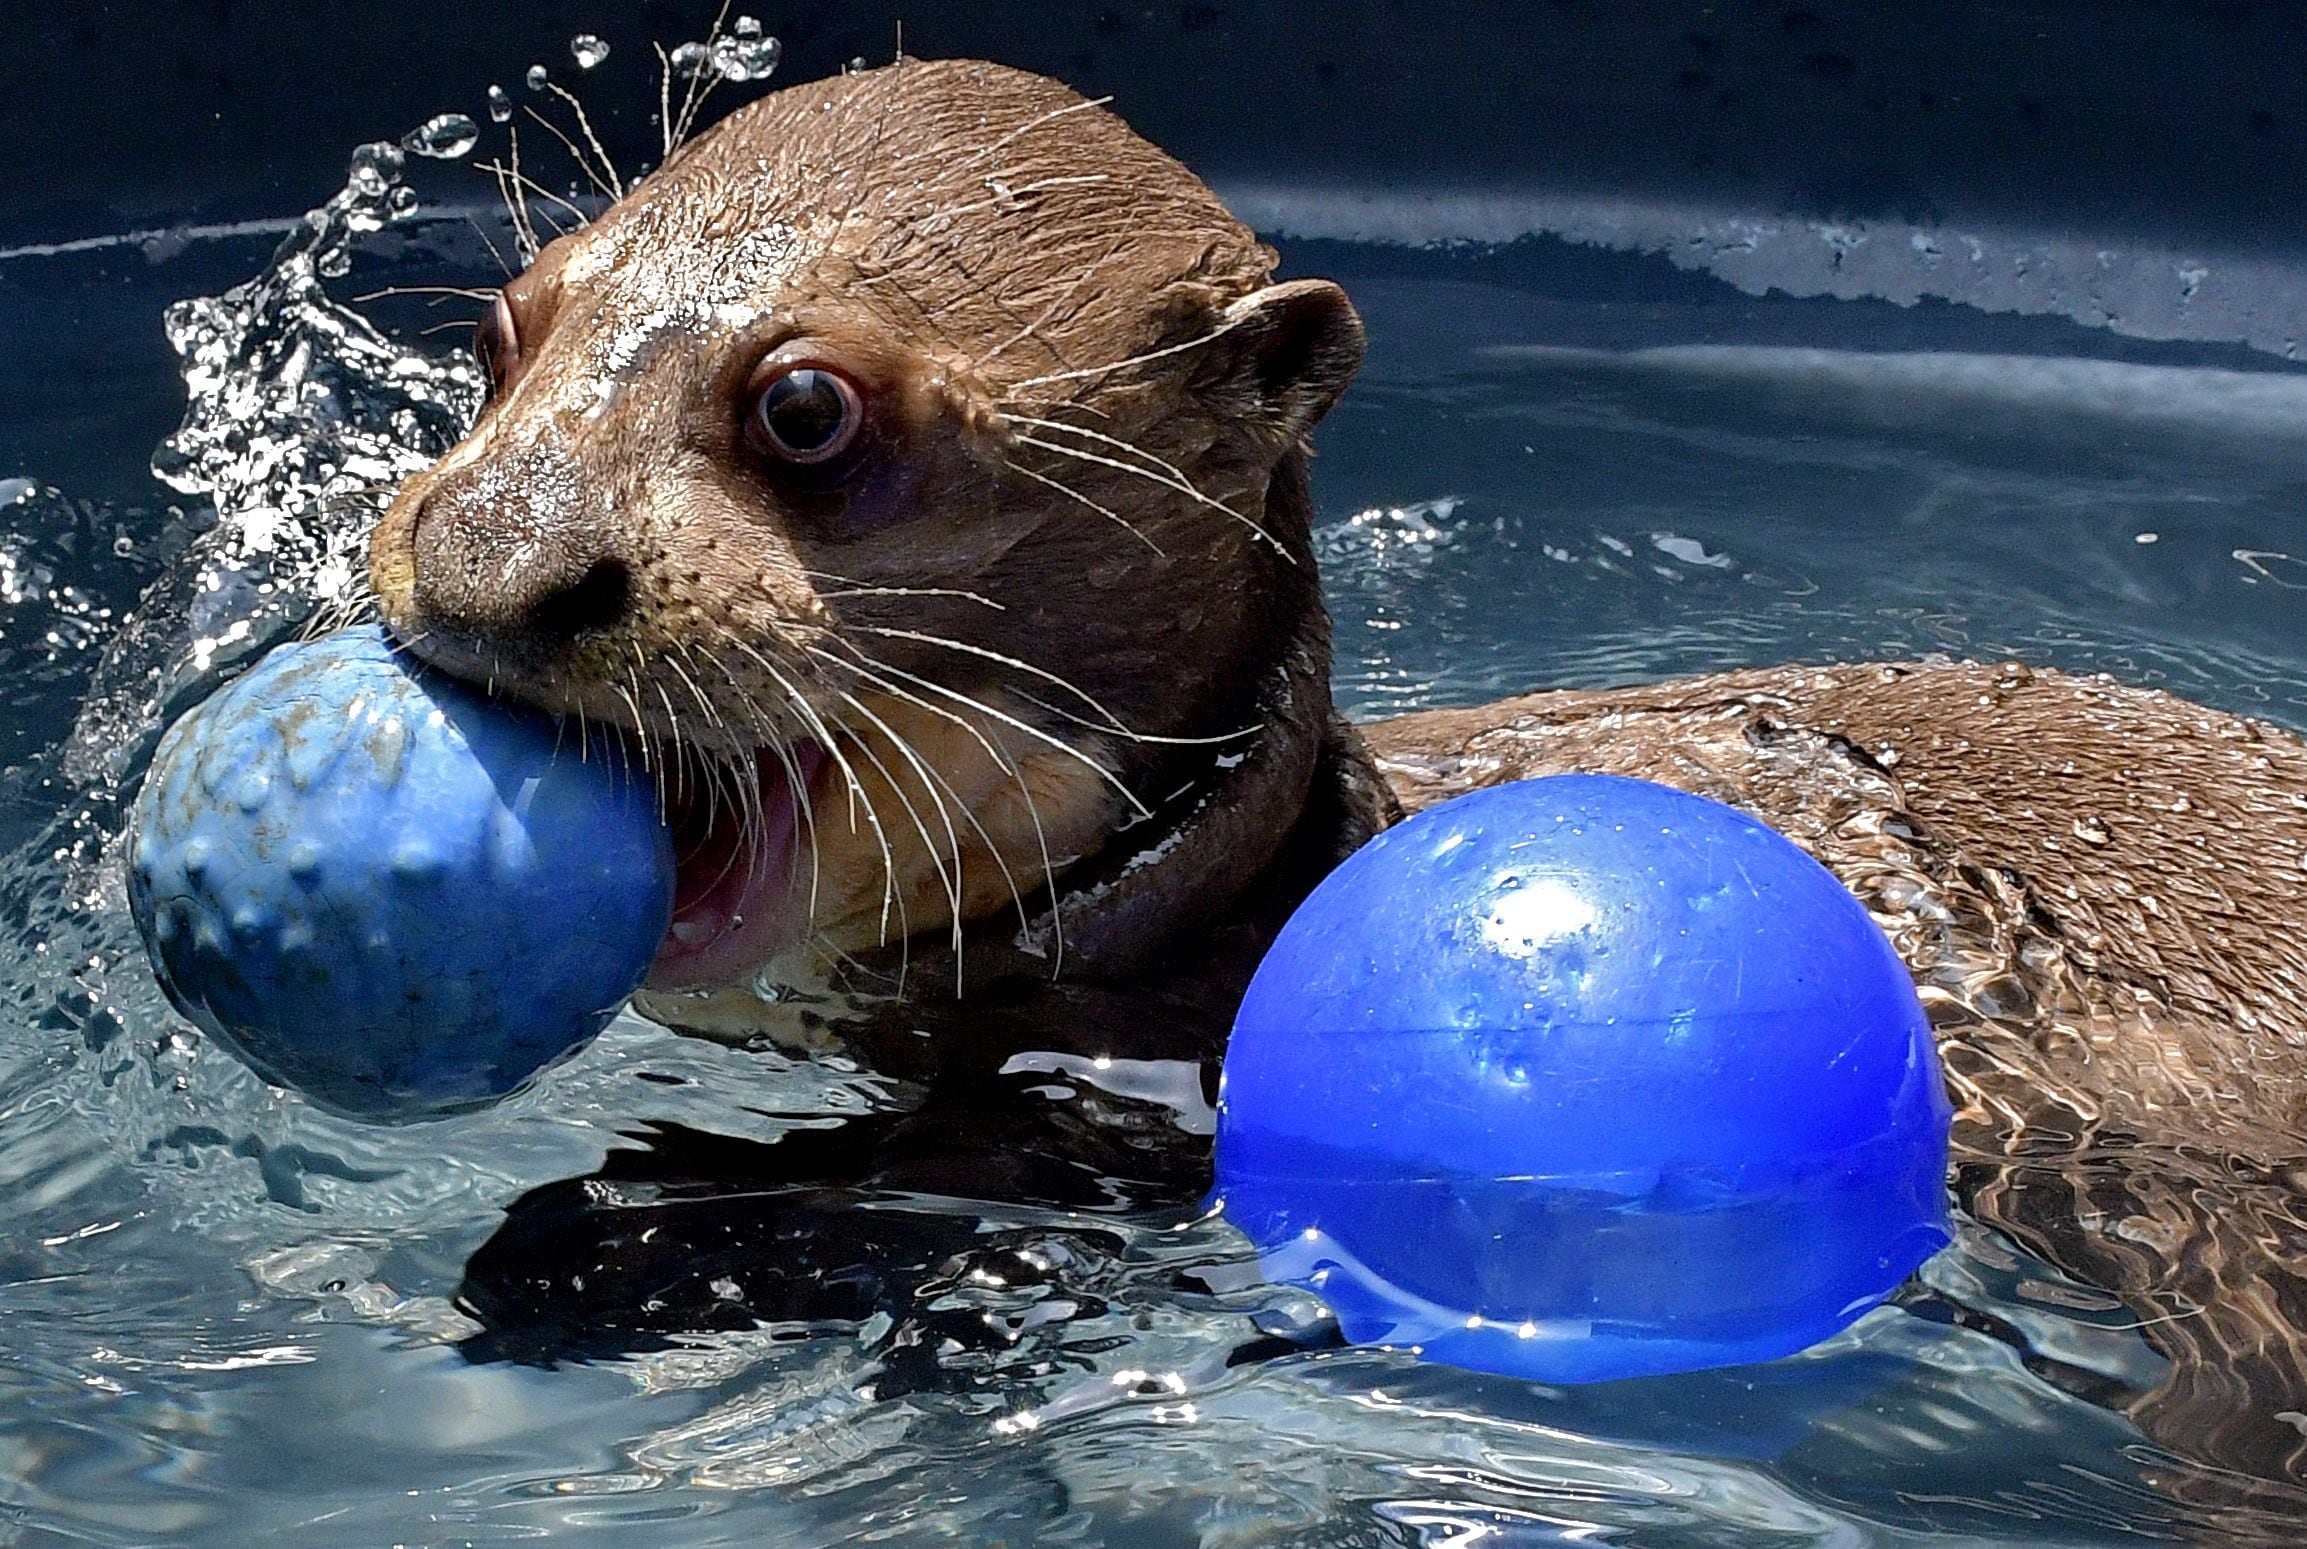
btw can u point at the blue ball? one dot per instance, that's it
(1584, 1078)
(385, 889)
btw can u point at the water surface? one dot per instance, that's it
(229, 1319)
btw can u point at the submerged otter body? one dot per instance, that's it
(2095, 886)
(915, 465)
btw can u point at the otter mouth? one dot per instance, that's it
(740, 893)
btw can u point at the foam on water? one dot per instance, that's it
(227, 1316)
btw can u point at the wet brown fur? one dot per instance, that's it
(1021, 494)
(2095, 885)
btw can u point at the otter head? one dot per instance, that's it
(911, 469)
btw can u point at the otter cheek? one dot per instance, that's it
(883, 493)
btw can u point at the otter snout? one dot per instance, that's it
(519, 559)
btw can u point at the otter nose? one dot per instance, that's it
(506, 572)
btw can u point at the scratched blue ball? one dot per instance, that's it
(1584, 1078)
(384, 889)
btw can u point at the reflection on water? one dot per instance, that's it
(227, 1316)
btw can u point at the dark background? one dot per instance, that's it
(2128, 116)
(2127, 132)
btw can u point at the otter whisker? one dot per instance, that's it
(673, 758)
(530, 185)
(1112, 721)
(868, 668)
(744, 784)
(1006, 198)
(524, 241)
(1004, 141)
(912, 591)
(640, 727)
(863, 588)
(575, 155)
(714, 719)
(553, 222)
(832, 730)
(524, 221)
(363, 489)
(1071, 493)
(1176, 479)
(853, 787)
(694, 94)
(1008, 766)
(695, 771)
(1137, 807)
(612, 183)
(683, 754)
(897, 789)
(490, 243)
(800, 703)
(1148, 738)
(338, 611)
(1079, 372)
(767, 733)
(930, 783)
(1032, 330)
(439, 293)
(857, 790)
(1000, 861)
(1148, 474)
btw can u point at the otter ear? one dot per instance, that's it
(1293, 348)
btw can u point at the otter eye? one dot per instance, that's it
(806, 415)
(497, 344)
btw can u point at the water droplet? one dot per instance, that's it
(500, 105)
(444, 136)
(746, 56)
(334, 264)
(689, 59)
(538, 77)
(375, 168)
(747, 27)
(588, 50)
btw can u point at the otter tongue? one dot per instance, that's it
(734, 902)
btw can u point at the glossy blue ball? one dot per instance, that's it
(386, 890)
(1584, 1078)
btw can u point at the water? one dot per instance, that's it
(228, 1319)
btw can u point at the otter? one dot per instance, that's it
(914, 468)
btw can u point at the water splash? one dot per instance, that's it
(445, 137)
(743, 54)
(1115, 1390)
(301, 418)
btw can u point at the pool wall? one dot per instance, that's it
(2183, 123)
